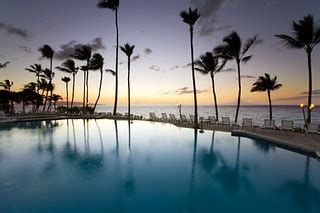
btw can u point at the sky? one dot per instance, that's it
(160, 74)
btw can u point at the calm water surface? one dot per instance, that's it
(113, 166)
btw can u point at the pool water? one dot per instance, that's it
(115, 166)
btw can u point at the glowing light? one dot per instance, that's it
(301, 105)
(311, 106)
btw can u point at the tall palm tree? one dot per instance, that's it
(6, 84)
(66, 80)
(128, 50)
(83, 53)
(47, 52)
(306, 36)
(69, 66)
(42, 84)
(209, 64)
(190, 17)
(234, 49)
(48, 75)
(266, 84)
(114, 6)
(96, 63)
(37, 69)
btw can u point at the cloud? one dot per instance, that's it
(11, 29)
(136, 57)
(154, 68)
(175, 67)
(314, 92)
(68, 49)
(185, 90)
(187, 65)
(248, 76)
(208, 10)
(228, 70)
(24, 48)
(147, 51)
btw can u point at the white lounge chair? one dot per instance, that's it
(212, 119)
(225, 121)
(172, 118)
(312, 128)
(164, 117)
(152, 116)
(269, 124)
(184, 119)
(287, 125)
(247, 122)
(191, 118)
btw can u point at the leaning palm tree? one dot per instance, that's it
(209, 64)
(305, 35)
(113, 5)
(190, 17)
(66, 80)
(69, 66)
(83, 53)
(6, 84)
(234, 49)
(37, 69)
(128, 50)
(266, 84)
(48, 75)
(47, 52)
(96, 63)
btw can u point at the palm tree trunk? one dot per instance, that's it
(87, 85)
(73, 85)
(239, 92)
(50, 101)
(84, 91)
(214, 96)
(117, 54)
(194, 82)
(67, 96)
(129, 88)
(310, 87)
(270, 104)
(45, 100)
(99, 92)
(38, 83)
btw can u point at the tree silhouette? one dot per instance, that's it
(305, 35)
(66, 80)
(209, 64)
(69, 66)
(4, 65)
(36, 69)
(48, 75)
(234, 49)
(190, 17)
(266, 84)
(96, 63)
(128, 50)
(114, 6)
(6, 84)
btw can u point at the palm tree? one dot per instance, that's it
(42, 84)
(97, 63)
(47, 52)
(128, 50)
(305, 35)
(55, 98)
(66, 80)
(190, 17)
(37, 69)
(265, 83)
(4, 65)
(69, 66)
(209, 64)
(48, 75)
(234, 49)
(83, 53)
(6, 84)
(114, 6)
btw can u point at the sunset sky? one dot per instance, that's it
(160, 74)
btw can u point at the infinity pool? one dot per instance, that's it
(114, 166)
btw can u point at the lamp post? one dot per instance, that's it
(304, 115)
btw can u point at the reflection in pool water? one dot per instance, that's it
(115, 166)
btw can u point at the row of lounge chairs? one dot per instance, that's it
(286, 125)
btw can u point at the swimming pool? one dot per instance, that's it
(114, 166)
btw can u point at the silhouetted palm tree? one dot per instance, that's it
(4, 65)
(128, 50)
(305, 35)
(265, 83)
(6, 84)
(37, 69)
(234, 49)
(83, 53)
(47, 52)
(42, 84)
(113, 5)
(48, 75)
(69, 66)
(190, 17)
(55, 98)
(96, 63)
(66, 80)
(209, 64)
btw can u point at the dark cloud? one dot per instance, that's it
(24, 49)
(208, 10)
(11, 29)
(185, 90)
(314, 92)
(68, 49)
(248, 76)
(134, 58)
(147, 51)
(175, 67)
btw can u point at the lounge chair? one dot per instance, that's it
(247, 122)
(164, 117)
(312, 128)
(225, 121)
(287, 125)
(172, 118)
(212, 120)
(152, 116)
(269, 124)
(191, 118)
(184, 119)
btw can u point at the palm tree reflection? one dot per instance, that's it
(129, 184)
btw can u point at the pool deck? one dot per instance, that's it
(308, 144)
